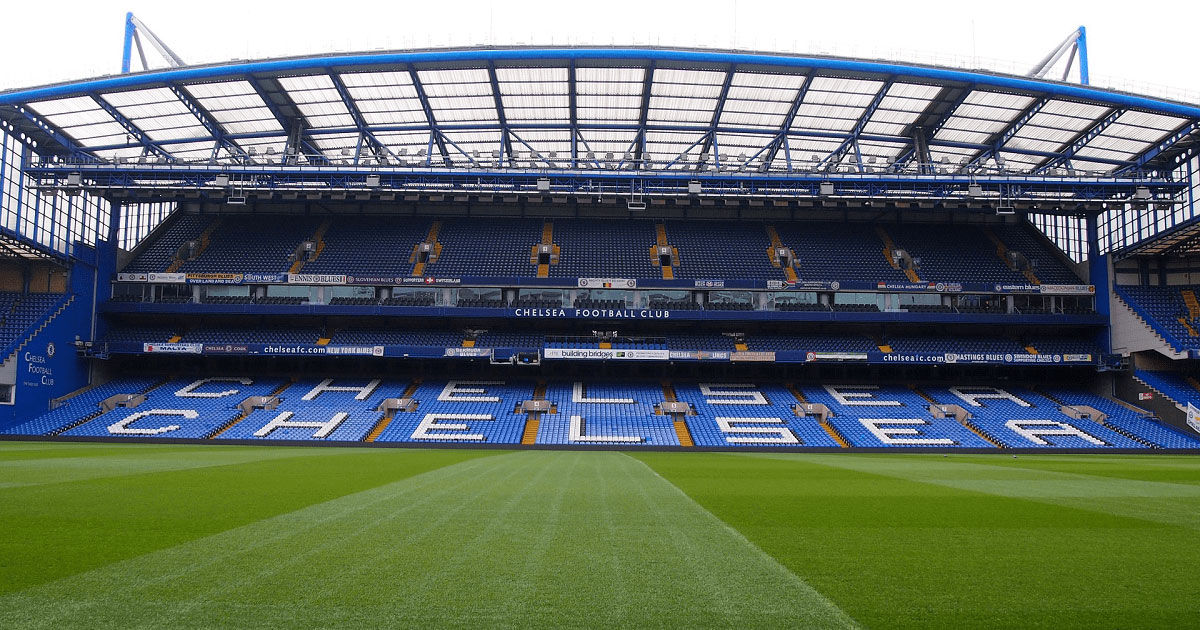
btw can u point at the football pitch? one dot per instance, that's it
(165, 536)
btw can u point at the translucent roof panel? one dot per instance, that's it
(542, 145)
(159, 113)
(235, 106)
(84, 120)
(385, 98)
(462, 145)
(608, 94)
(742, 148)
(684, 96)
(534, 94)
(1055, 125)
(1129, 135)
(337, 145)
(900, 107)
(318, 99)
(981, 115)
(459, 96)
(835, 104)
(759, 100)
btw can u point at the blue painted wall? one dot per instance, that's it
(48, 367)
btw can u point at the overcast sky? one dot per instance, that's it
(1150, 51)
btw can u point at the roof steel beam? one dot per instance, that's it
(435, 135)
(712, 124)
(996, 142)
(931, 128)
(304, 140)
(131, 128)
(644, 109)
(852, 140)
(365, 135)
(1165, 144)
(574, 114)
(206, 119)
(1081, 140)
(788, 119)
(797, 133)
(505, 143)
(16, 115)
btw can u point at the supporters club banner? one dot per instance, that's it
(606, 354)
(166, 278)
(607, 283)
(264, 278)
(981, 358)
(315, 278)
(173, 348)
(215, 278)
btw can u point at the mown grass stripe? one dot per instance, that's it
(530, 539)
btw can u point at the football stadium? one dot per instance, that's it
(595, 336)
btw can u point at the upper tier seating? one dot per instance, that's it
(1173, 385)
(722, 249)
(1049, 268)
(594, 248)
(597, 248)
(21, 311)
(1161, 308)
(487, 247)
(953, 253)
(374, 246)
(838, 251)
(257, 244)
(156, 256)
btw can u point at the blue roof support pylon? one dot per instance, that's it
(1075, 43)
(127, 50)
(1081, 44)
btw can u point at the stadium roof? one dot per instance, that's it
(606, 108)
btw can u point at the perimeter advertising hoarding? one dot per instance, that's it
(606, 354)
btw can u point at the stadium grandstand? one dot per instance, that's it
(600, 247)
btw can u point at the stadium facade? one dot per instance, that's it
(600, 247)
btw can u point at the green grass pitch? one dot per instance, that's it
(159, 536)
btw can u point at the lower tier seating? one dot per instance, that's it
(594, 412)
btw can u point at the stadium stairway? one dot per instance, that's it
(318, 237)
(98, 412)
(430, 238)
(826, 426)
(205, 239)
(1108, 425)
(543, 269)
(776, 244)
(242, 416)
(966, 422)
(660, 240)
(388, 416)
(1140, 332)
(888, 248)
(534, 421)
(1002, 254)
(29, 334)
(681, 428)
